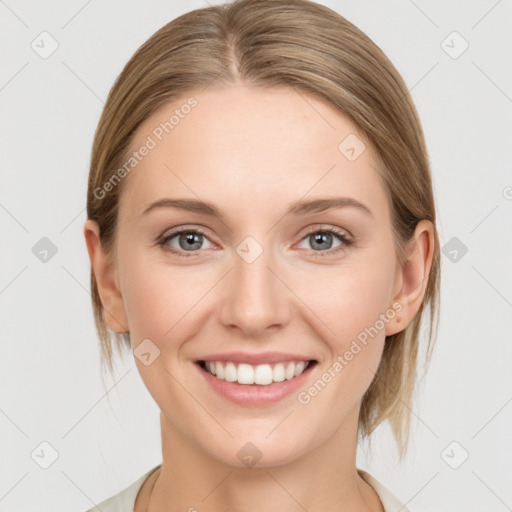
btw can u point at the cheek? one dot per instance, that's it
(351, 306)
(349, 300)
(161, 300)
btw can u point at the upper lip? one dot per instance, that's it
(261, 358)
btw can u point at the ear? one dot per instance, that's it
(105, 272)
(412, 277)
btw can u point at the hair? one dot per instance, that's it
(313, 49)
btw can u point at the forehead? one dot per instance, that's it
(259, 148)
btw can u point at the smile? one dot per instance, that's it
(257, 385)
(261, 375)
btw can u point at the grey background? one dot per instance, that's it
(105, 438)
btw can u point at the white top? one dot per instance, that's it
(124, 501)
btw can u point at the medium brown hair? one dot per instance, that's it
(313, 49)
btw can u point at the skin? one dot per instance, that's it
(251, 152)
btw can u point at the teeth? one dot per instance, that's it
(246, 374)
(289, 372)
(210, 367)
(300, 367)
(262, 374)
(219, 371)
(230, 373)
(278, 373)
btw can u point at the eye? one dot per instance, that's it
(322, 239)
(188, 240)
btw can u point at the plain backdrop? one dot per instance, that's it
(104, 438)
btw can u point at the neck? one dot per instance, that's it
(324, 478)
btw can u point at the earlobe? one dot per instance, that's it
(105, 273)
(414, 276)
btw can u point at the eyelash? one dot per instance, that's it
(346, 242)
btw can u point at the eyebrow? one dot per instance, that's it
(301, 207)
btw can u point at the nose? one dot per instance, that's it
(255, 297)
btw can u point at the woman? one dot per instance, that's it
(262, 234)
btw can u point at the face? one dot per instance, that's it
(259, 279)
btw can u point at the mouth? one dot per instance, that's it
(256, 375)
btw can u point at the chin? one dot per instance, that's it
(258, 453)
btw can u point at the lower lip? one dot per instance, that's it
(255, 394)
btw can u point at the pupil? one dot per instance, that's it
(191, 239)
(321, 237)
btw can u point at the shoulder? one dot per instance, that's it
(389, 501)
(123, 501)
